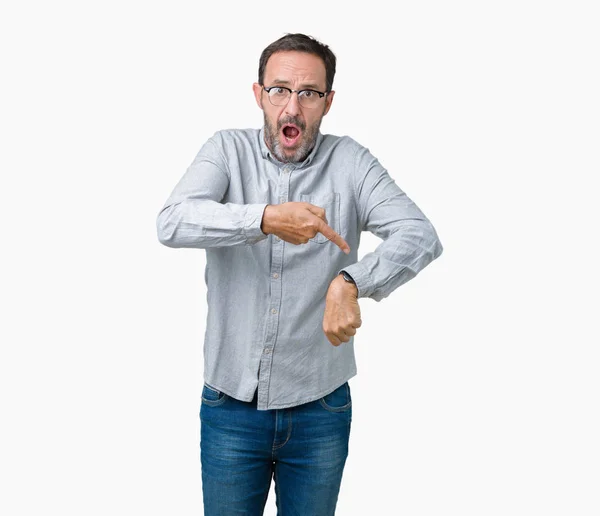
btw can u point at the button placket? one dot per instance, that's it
(266, 359)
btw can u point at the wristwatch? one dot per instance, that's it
(347, 277)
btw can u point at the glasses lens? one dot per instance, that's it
(308, 98)
(279, 96)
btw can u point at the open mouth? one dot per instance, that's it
(291, 134)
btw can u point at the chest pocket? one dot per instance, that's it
(331, 204)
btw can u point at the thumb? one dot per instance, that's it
(319, 212)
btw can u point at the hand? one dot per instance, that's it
(297, 222)
(342, 312)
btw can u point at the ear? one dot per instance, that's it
(257, 88)
(328, 101)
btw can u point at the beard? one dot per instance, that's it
(309, 138)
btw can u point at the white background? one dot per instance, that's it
(478, 382)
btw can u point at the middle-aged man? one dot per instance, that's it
(280, 212)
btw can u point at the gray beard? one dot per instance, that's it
(302, 152)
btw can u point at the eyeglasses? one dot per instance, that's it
(280, 96)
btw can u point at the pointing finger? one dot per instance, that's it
(330, 233)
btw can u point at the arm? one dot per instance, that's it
(410, 241)
(194, 215)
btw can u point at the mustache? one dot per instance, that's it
(291, 120)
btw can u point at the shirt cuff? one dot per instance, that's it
(252, 222)
(361, 278)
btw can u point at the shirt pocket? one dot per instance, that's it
(331, 204)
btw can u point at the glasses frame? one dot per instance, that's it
(269, 88)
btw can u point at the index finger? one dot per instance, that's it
(330, 233)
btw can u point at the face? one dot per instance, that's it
(291, 130)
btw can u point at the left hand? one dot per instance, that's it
(342, 312)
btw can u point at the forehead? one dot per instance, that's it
(297, 68)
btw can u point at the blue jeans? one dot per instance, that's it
(303, 448)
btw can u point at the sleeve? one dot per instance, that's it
(410, 241)
(194, 215)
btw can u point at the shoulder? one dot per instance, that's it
(236, 143)
(228, 137)
(343, 148)
(356, 157)
(341, 144)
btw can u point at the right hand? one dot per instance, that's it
(298, 222)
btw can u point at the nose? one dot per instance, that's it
(292, 108)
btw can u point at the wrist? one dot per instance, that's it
(348, 281)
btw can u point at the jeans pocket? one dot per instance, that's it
(339, 400)
(212, 396)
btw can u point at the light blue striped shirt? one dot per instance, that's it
(266, 297)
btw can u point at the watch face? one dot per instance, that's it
(347, 277)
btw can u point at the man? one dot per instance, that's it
(280, 211)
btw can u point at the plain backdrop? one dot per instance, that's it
(478, 388)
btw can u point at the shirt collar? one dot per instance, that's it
(266, 153)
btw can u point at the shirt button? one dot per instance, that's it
(276, 275)
(274, 310)
(282, 199)
(267, 351)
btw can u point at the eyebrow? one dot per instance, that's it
(309, 86)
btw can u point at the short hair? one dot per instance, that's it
(299, 43)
